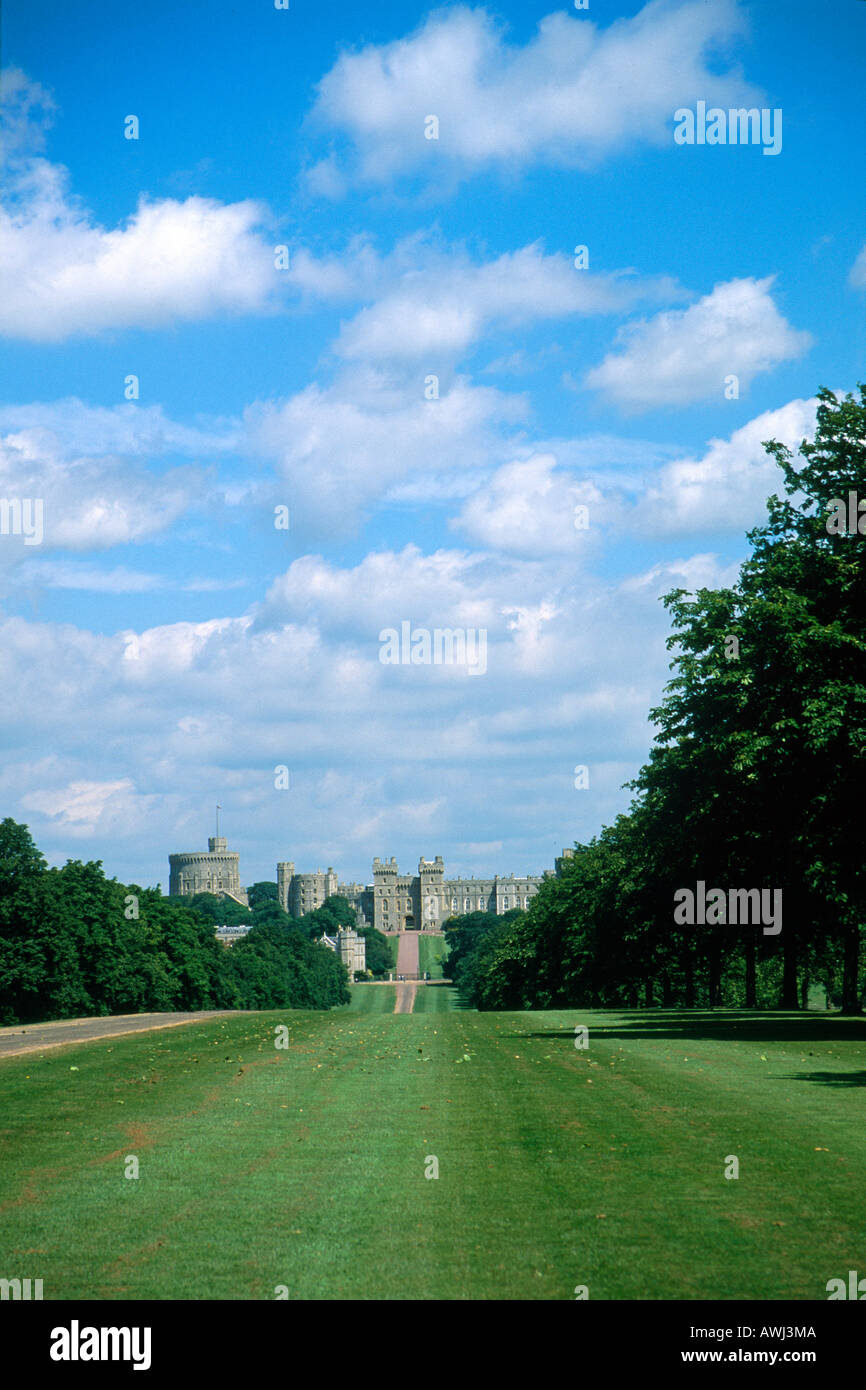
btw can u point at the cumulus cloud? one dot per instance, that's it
(442, 308)
(91, 502)
(857, 277)
(571, 96)
(385, 587)
(528, 507)
(727, 488)
(685, 355)
(56, 574)
(82, 807)
(337, 448)
(26, 113)
(381, 757)
(74, 427)
(691, 572)
(172, 261)
(65, 275)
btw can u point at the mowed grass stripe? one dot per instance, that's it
(371, 999)
(435, 999)
(557, 1167)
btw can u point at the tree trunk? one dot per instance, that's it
(648, 993)
(751, 974)
(667, 992)
(715, 974)
(851, 970)
(689, 973)
(789, 973)
(804, 990)
(828, 979)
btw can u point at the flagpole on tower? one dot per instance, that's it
(218, 809)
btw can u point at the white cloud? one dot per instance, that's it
(56, 574)
(684, 355)
(72, 427)
(439, 310)
(338, 448)
(91, 503)
(573, 95)
(169, 719)
(692, 572)
(528, 508)
(64, 274)
(726, 489)
(386, 587)
(172, 261)
(26, 112)
(82, 807)
(857, 277)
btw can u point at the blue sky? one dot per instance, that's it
(165, 645)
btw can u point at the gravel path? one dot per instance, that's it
(35, 1037)
(405, 1001)
(407, 964)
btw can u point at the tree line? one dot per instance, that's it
(74, 943)
(755, 780)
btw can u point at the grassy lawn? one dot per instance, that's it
(557, 1167)
(432, 954)
(435, 999)
(371, 999)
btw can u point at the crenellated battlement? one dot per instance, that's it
(393, 902)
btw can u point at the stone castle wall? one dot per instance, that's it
(217, 872)
(396, 902)
(393, 902)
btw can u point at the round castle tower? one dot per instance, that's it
(216, 872)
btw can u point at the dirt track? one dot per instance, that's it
(407, 953)
(407, 964)
(36, 1037)
(405, 1001)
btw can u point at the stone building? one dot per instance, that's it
(216, 872)
(350, 947)
(393, 902)
(396, 902)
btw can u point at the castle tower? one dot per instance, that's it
(285, 874)
(562, 860)
(431, 893)
(216, 872)
(385, 911)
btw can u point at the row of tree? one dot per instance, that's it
(336, 912)
(75, 943)
(755, 780)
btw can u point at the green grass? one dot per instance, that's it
(557, 1167)
(432, 954)
(371, 999)
(435, 999)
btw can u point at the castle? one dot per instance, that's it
(216, 872)
(393, 902)
(396, 902)
(349, 946)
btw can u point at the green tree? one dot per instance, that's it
(262, 892)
